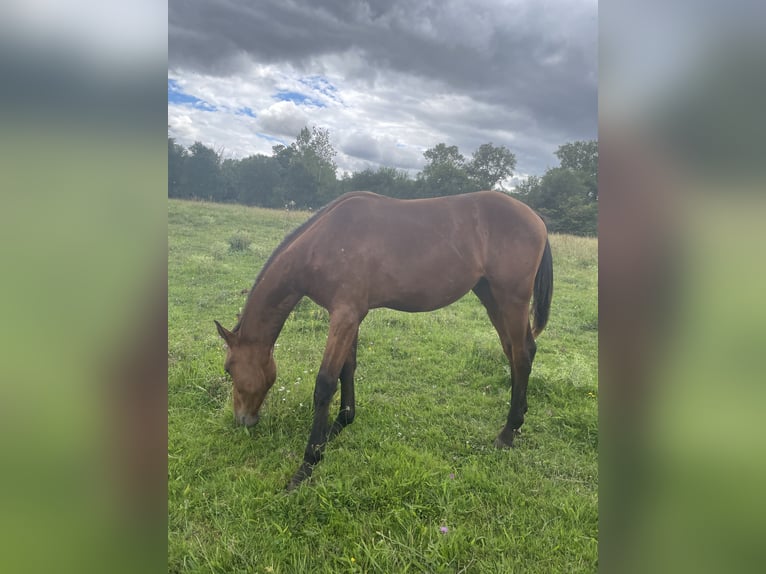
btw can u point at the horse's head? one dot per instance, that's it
(253, 372)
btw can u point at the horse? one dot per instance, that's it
(364, 251)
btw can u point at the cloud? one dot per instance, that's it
(370, 151)
(178, 96)
(284, 118)
(403, 75)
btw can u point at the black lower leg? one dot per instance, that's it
(532, 350)
(323, 393)
(521, 370)
(345, 417)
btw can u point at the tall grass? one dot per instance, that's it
(414, 485)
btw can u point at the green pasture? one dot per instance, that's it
(414, 485)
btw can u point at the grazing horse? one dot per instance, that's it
(363, 251)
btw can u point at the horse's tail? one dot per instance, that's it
(543, 292)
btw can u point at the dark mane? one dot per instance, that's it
(292, 236)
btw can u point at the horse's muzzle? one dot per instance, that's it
(248, 420)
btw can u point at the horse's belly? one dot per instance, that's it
(427, 296)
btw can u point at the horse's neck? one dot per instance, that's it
(268, 307)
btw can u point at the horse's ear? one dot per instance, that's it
(225, 334)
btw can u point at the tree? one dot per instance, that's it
(444, 174)
(490, 165)
(258, 179)
(527, 188)
(385, 181)
(562, 198)
(303, 174)
(316, 143)
(318, 158)
(441, 154)
(579, 156)
(298, 187)
(176, 168)
(309, 166)
(582, 156)
(567, 196)
(228, 182)
(203, 172)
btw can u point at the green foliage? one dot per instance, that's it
(562, 198)
(315, 144)
(443, 179)
(567, 196)
(384, 180)
(491, 165)
(444, 174)
(258, 178)
(442, 154)
(580, 156)
(203, 173)
(432, 393)
(177, 157)
(302, 175)
(310, 180)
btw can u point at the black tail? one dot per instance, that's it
(543, 291)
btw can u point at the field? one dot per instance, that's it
(414, 485)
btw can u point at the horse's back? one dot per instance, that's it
(418, 254)
(474, 224)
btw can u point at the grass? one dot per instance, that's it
(240, 241)
(432, 392)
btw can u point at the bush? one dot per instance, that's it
(239, 241)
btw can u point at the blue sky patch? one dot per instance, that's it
(245, 111)
(273, 139)
(321, 85)
(177, 96)
(298, 98)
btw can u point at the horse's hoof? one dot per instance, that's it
(501, 444)
(295, 481)
(300, 475)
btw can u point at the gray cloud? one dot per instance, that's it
(516, 67)
(283, 119)
(380, 150)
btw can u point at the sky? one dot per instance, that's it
(388, 78)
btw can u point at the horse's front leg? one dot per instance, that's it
(343, 329)
(323, 392)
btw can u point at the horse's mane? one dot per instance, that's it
(292, 236)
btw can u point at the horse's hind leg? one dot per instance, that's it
(484, 293)
(516, 322)
(510, 316)
(347, 403)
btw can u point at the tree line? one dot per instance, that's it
(303, 175)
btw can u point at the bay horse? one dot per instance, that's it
(363, 251)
